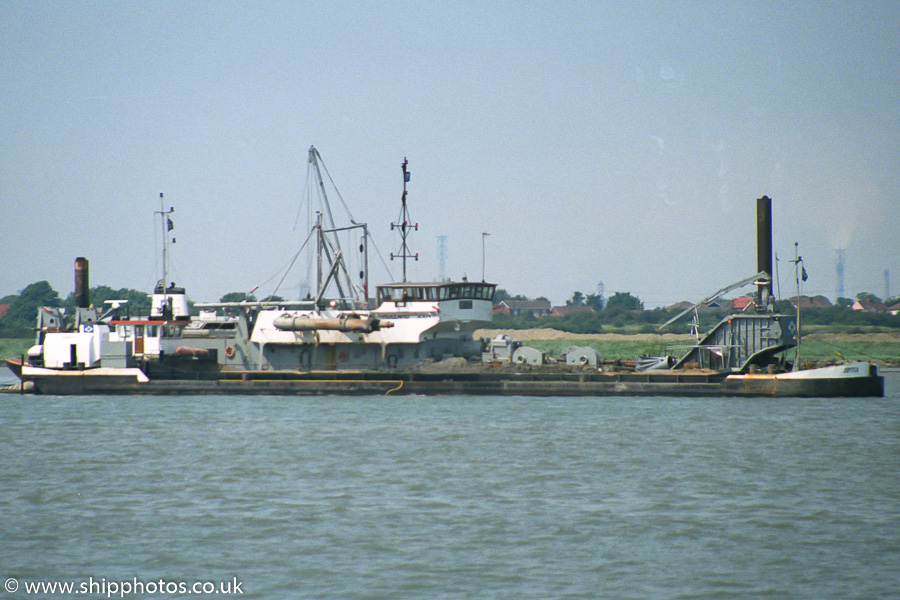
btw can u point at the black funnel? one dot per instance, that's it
(764, 248)
(82, 283)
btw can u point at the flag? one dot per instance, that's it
(169, 224)
(406, 176)
(803, 275)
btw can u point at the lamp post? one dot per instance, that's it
(484, 234)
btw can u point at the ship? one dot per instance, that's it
(411, 338)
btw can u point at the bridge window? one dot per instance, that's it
(453, 291)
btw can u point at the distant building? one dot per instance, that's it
(869, 305)
(714, 305)
(514, 308)
(811, 302)
(744, 303)
(894, 310)
(564, 311)
(3, 310)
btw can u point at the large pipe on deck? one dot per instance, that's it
(286, 322)
(764, 249)
(82, 283)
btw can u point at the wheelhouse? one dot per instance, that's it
(435, 292)
(146, 335)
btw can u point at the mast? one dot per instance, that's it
(799, 273)
(320, 250)
(314, 158)
(167, 226)
(364, 276)
(328, 244)
(403, 224)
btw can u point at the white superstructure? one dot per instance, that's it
(412, 322)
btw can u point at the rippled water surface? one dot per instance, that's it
(457, 497)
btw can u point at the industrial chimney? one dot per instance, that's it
(764, 249)
(82, 283)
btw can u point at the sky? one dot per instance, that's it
(621, 144)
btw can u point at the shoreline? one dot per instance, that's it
(555, 334)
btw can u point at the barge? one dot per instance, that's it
(851, 380)
(411, 338)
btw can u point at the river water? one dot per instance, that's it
(454, 497)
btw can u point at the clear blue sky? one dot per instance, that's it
(622, 142)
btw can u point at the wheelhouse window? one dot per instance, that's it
(450, 291)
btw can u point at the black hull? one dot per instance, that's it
(459, 383)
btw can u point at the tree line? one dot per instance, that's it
(623, 310)
(19, 321)
(620, 310)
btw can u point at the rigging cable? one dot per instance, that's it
(337, 191)
(381, 256)
(306, 195)
(286, 270)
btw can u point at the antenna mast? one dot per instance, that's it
(167, 226)
(404, 225)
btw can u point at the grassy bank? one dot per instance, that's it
(611, 349)
(884, 351)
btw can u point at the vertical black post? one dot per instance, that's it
(82, 283)
(764, 249)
